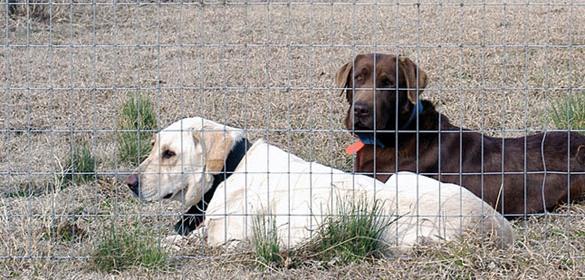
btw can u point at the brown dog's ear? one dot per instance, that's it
(580, 154)
(342, 76)
(216, 146)
(416, 79)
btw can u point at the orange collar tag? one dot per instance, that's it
(354, 148)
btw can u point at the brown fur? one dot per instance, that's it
(495, 169)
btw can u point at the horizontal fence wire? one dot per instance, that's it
(86, 84)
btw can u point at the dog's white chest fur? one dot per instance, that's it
(297, 194)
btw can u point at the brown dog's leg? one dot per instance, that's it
(580, 156)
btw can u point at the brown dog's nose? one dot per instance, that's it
(361, 110)
(133, 183)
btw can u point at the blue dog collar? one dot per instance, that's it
(418, 108)
(369, 139)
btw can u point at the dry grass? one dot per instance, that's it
(269, 69)
(47, 12)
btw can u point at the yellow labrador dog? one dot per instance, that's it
(198, 161)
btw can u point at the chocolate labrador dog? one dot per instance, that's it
(399, 132)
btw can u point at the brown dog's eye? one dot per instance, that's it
(386, 82)
(168, 154)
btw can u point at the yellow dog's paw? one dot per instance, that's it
(177, 242)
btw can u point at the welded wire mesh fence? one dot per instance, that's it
(86, 83)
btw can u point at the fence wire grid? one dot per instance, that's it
(69, 68)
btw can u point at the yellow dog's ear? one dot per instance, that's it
(416, 79)
(216, 143)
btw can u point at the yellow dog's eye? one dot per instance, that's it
(168, 154)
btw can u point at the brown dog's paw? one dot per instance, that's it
(580, 156)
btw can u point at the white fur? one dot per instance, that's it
(298, 194)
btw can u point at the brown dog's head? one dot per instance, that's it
(380, 88)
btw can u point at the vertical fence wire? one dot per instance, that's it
(83, 36)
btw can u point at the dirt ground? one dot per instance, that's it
(268, 67)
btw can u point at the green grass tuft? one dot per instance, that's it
(569, 112)
(80, 167)
(352, 233)
(265, 241)
(120, 249)
(137, 124)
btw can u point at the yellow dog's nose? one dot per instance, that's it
(133, 183)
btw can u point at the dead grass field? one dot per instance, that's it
(268, 68)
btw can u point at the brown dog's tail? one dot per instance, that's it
(580, 156)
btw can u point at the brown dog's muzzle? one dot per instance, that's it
(380, 88)
(361, 114)
(369, 108)
(364, 109)
(361, 111)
